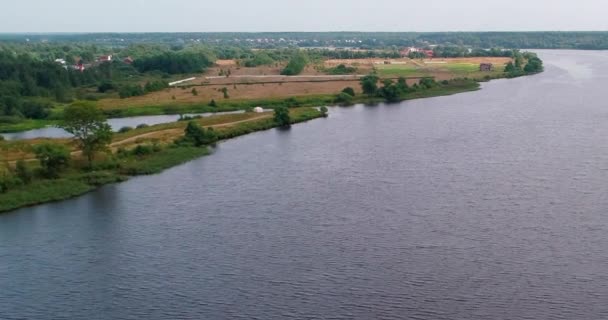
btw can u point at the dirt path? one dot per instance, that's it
(173, 132)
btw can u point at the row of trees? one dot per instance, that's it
(175, 62)
(392, 91)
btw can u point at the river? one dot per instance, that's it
(482, 205)
(115, 123)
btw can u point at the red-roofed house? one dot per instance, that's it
(107, 58)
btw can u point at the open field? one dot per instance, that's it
(444, 69)
(241, 92)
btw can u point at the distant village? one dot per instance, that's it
(81, 66)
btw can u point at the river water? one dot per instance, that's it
(115, 123)
(483, 205)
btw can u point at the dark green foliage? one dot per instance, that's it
(105, 87)
(125, 129)
(88, 125)
(369, 84)
(198, 135)
(152, 86)
(53, 158)
(296, 64)
(402, 84)
(324, 110)
(142, 125)
(8, 181)
(344, 98)
(281, 117)
(427, 83)
(350, 91)
(534, 65)
(175, 62)
(23, 172)
(224, 90)
(194, 92)
(341, 69)
(259, 59)
(212, 103)
(390, 91)
(130, 91)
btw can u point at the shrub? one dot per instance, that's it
(53, 158)
(323, 110)
(23, 171)
(1, 137)
(350, 91)
(281, 117)
(142, 150)
(125, 129)
(194, 92)
(198, 135)
(344, 98)
(212, 103)
(141, 126)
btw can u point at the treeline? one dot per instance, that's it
(520, 40)
(460, 51)
(175, 62)
(28, 85)
(134, 90)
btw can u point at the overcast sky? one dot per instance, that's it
(301, 15)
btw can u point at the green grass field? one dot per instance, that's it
(441, 70)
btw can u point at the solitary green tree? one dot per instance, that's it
(369, 84)
(88, 125)
(53, 158)
(281, 117)
(198, 135)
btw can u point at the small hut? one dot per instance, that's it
(258, 110)
(486, 67)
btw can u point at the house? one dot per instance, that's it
(60, 61)
(128, 60)
(486, 67)
(407, 51)
(102, 59)
(79, 66)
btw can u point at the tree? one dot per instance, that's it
(212, 103)
(296, 64)
(225, 92)
(53, 158)
(198, 135)
(350, 91)
(369, 84)
(281, 117)
(23, 172)
(88, 125)
(194, 92)
(402, 85)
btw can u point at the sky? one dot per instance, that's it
(308, 15)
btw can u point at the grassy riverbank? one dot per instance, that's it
(153, 156)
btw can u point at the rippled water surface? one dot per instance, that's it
(483, 205)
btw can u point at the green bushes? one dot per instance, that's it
(175, 63)
(350, 91)
(53, 158)
(196, 135)
(344, 98)
(341, 69)
(142, 125)
(281, 117)
(296, 64)
(125, 129)
(137, 90)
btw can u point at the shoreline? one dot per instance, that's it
(74, 184)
